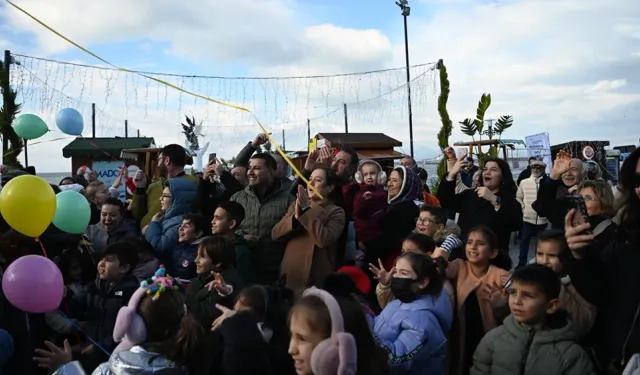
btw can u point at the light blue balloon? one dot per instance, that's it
(29, 126)
(72, 212)
(70, 121)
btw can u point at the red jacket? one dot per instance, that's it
(368, 213)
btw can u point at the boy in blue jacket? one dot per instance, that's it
(183, 257)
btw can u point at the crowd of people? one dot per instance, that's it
(359, 271)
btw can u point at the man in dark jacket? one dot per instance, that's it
(216, 186)
(563, 180)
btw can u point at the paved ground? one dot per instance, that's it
(514, 250)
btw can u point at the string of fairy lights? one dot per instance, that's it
(376, 101)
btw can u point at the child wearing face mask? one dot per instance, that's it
(413, 328)
(369, 205)
(481, 296)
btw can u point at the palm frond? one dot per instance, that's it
(483, 105)
(468, 127)
(503, 123)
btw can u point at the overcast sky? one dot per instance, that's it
(565, 67)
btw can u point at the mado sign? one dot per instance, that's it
(107, 172)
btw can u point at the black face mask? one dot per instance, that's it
(402, 289)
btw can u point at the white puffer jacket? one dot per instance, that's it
(526, 195)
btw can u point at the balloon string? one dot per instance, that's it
(42, 247)
(99, 149)
(203, 97)
(66, 309)
(33, 144)
(76, 326)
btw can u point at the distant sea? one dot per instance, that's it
(54, 177)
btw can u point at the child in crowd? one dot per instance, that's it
(96, 193)
(415, 243)
(318, 322)
(552, 251)
(112, 290)
(176, 201)
(537, 338)
(369, 206)
(226, 219)
(433, 223)
(147, 262)
(413, 328)
(255, 299)
(218, 281)
(183, 257)
(111, 228)
(480, 297)
(160, 338)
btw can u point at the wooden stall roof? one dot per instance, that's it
(360, 140)
(96, 147)
(380, 154)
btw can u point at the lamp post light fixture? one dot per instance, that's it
(406, 11)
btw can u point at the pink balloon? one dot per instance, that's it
(33, 284)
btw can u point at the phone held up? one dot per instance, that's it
(576, 202)
(212, 158)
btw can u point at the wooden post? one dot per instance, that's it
(126, 128)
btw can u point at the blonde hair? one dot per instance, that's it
(92, 189)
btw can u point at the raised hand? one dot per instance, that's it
(226, 313)
(457, 167)
(219, 285)
(578, 237)
(381, 274)
(55, 357)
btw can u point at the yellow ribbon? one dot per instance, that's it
(230, 105)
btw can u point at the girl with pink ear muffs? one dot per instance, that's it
(155, 333)
(332, 338)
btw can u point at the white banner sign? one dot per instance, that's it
(540, 148)
(107, 172)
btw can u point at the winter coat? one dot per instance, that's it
(526, 195)
(183, 260)
(201, 303)
(368, 213)
(146, 202)
(163, 235)
(6, 347)
(415, 334)
(476, 211)
(146, 267)
(103, 304)
(261, 214)
(135, 361)
(244, 261)
(100, 238)
(550, 201)
(513, 349)
(310, 255)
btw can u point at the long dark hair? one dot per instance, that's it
(372, 359)
(631, 216)
(171, 332)
(508, 186)
(332, 179)
(425, 268)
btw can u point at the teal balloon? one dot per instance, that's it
(29, 126)
(72, 212)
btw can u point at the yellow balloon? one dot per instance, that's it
(28, 204)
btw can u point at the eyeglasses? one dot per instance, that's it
(536, 167)
(165, 196)
(588, 198)
(425, 221)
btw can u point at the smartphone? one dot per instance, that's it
(576, 201)
(212, 158)
(507, 285)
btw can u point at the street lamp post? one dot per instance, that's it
(406, 11)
